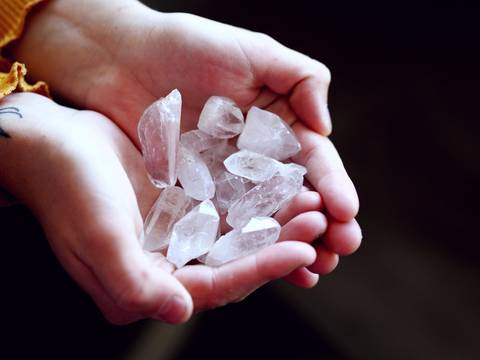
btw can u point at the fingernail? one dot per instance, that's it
(174, 311)
(326, 119)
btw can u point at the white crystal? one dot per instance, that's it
(251, 165)
(295, 171)
(228, 189)
(170, 206)
(268, 197)
(199, 141)
(215, 156)
(220, 117)
(259, 233)
(158, 131)
(194, 175)
(266, 133)
(194, 234)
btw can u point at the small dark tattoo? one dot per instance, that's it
(8, 110)
(4, 134)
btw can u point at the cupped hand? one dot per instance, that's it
(86, 183)
(203, 58)
(126, 56)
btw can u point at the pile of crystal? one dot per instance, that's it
(229, 166)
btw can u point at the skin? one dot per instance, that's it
(118, 59)
(89, 218)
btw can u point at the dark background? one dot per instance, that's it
(404, 101)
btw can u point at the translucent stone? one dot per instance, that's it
(267, 134)
(194, 174)
(228, 189)
(199, 141)
(257, 234)
(215, 156)
(194, 234)
(268, 197)
(221, 117)
(158, 131)
(251, 165)
(170, 206)
(294, 171)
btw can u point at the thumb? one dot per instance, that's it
(305, 80)
(130, 279)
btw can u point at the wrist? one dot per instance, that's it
(30, 120)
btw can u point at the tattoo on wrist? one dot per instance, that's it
(8, 110)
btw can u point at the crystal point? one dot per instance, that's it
(158, 131)
(194, 174)
(228, 189)
(257, 234)
(220, 117)
(268, 197)
(194, 234)
(266, 133)
(251, 165)
(170, 206)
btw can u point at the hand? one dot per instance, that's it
(87, 185)
(126, 56)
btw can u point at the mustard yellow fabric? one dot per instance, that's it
(12, 75)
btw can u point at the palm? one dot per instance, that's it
(210, 58)
(198, 65)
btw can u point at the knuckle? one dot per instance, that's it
(323, 72)
(265, 37)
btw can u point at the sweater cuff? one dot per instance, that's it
(13, 80)
(12, 18)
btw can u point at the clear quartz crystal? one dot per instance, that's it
(194, 234)
(170, 206)
(251, 165)
(257, 234)
(221, 117)
(228, 189)
(194, 174)
(268, 197)
(294, 171)
(267, 134)
(199, 141)
(158, 131)
(215, 156)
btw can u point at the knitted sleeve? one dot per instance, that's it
(12, 75)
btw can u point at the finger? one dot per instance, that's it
(87, 280)
(325, 262)
(158, 259)
(307, 186)
(303, 202)
(213, 287)
(309, 101)
(286, 71)
(306, 227)
(302, 277)
(131, 280)
(263, 100)
(282, 108)
(326, 173)
(343, 238)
